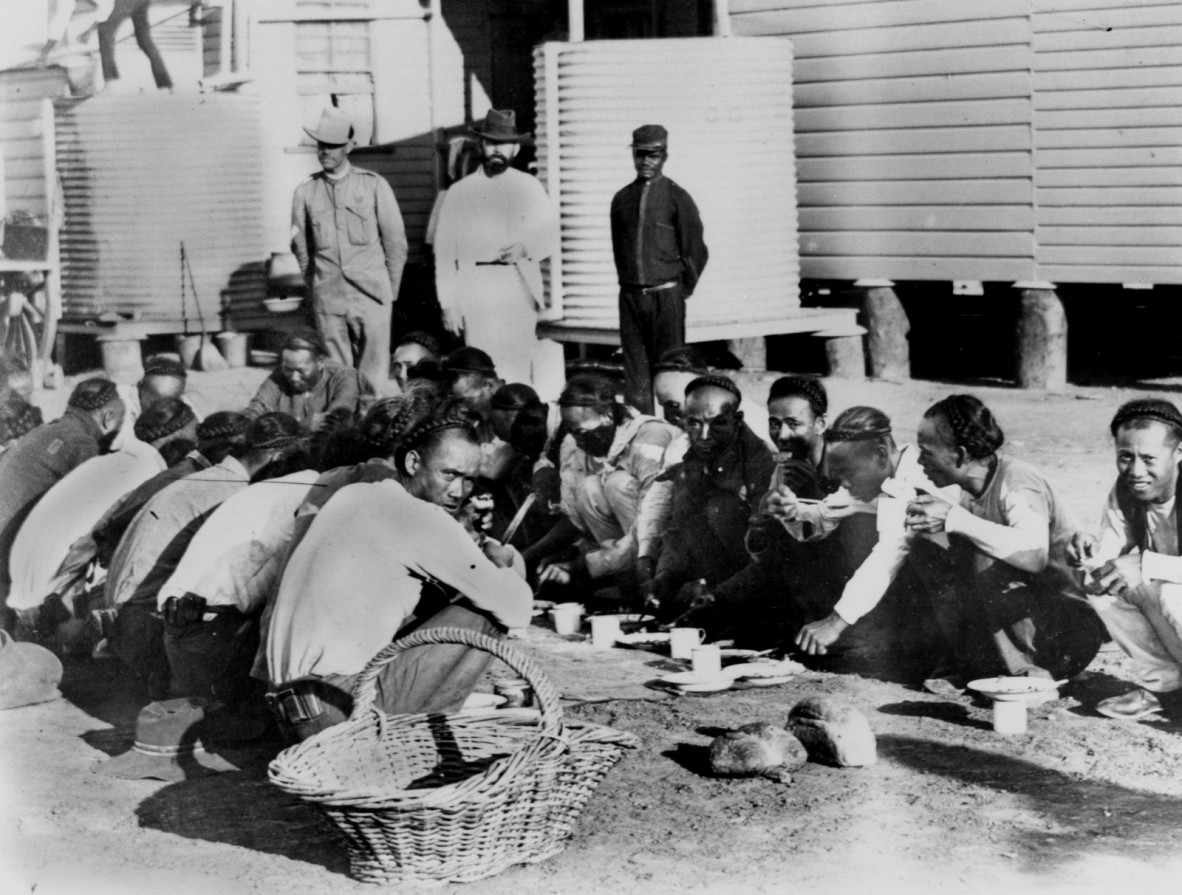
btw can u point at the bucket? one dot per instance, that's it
(122, 359)
(187, 347)
(233, 347)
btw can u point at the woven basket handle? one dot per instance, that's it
(365, 689)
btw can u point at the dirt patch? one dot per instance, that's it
(1079, 803)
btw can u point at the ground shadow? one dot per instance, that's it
(952, 712)
(1083, 818)
(244, 809)
(105, 689)
(711, 731)
(694, 758)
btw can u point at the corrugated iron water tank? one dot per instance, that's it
(142, 174)
(727, 103)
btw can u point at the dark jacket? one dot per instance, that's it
(712, 503)
(337, 391)
(37, 462)
(657, 235)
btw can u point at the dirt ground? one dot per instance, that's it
(1079, 803)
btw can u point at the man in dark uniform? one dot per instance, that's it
(715, 489)
(660, 254)
(348, 235)
(40, 459)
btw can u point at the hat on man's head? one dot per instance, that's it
(334, 128)
(650, 136)
(171, 739)
(499, 126)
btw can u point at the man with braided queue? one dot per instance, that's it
(794, 577)
(607, 464)
(1137, 586)
(714, 490)
(218, 436)
(42, 457)
(164, 433)
(380, 560)
(986, 533)
(318, 392)
(157, 538)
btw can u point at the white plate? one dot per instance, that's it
(1015, 689)
(644, 638)
(764, 681)
(763, 669)
(691, 682)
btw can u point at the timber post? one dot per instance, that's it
(844, 352)
(1041, 337)
(887, 345)
(751, 351)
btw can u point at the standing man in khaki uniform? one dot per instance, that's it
(348, 235)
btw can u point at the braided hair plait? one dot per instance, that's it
(859, 424)
(274, 431)
(423, 431)
(379, 428)
(222, 425)
(964, 421)
(93, 394)
(714, 381)
(165, 417)
(808, 387)
(1139, 412)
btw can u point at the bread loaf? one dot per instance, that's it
(833, 732)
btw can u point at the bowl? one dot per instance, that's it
(1016, 689)
(261, 358)
(283, 305)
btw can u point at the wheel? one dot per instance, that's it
(18, 340)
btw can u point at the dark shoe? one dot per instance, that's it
(1132, 706)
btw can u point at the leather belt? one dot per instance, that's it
(649, 290)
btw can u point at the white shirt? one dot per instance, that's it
(68, 511)
(869, 584)
(358, 573)
(235, 557)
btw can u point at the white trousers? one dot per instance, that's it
(1147, 624)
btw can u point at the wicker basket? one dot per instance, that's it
(433, 799)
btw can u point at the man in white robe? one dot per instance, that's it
(495, 228)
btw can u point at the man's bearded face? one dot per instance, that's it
(497, 156)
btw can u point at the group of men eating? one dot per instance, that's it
(263, 557)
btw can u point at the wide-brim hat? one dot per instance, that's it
(173, 738)
(499, 126)
(29, 674)
(334, 128)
